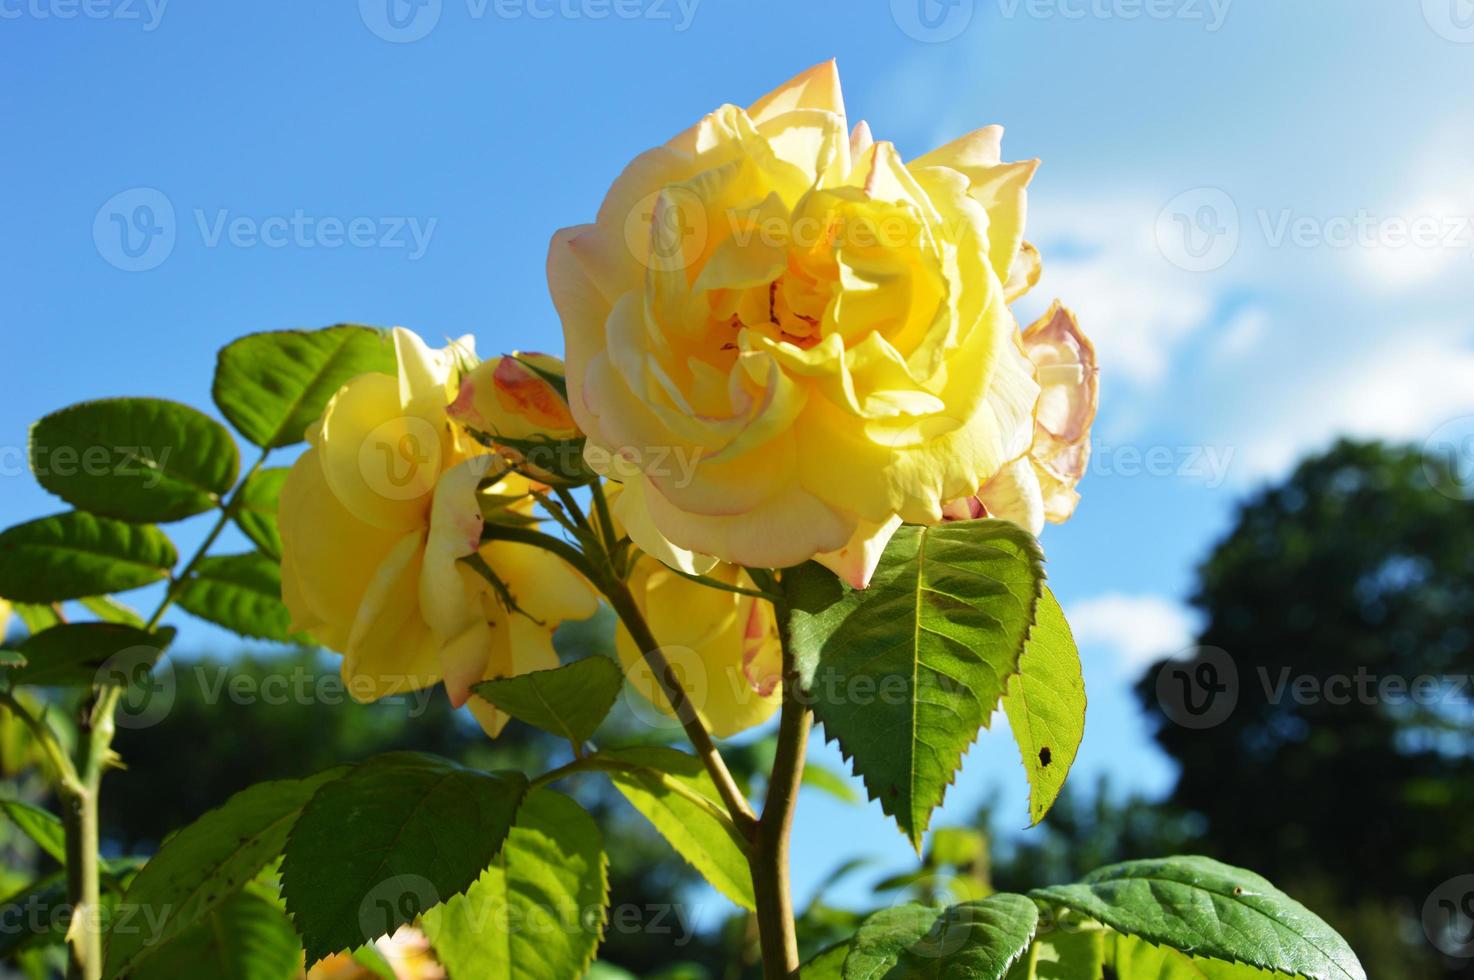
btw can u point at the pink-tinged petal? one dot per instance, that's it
(1064, 364)
(1014, 495)
(1024, 274)
(856, 561)
(762, 650)
(979, 148)
(965, 509)
(861, 140)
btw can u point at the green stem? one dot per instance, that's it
(602, 515)
(619, 596)
(599, 763)
(768, 858)
(79, 796)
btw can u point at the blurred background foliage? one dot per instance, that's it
(1356, 565)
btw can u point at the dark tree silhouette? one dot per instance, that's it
(1340, 759)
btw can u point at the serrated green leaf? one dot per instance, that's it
(246, 937)
(39, 825)
(570, 701)
(1215, 911)
(110, 610)
(241, 593)
(529, 914)
(11, 658)
(980, 940)
(1137, 959)
(701, 834)
(201, 865)
(1045, 705)
(904, 673)
(75, 654)
(272, 386)
(77, 554)
(399, 834)
(255, 511)
(137, 459)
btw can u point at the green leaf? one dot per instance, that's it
(1215, 911)
(255, 511)
(39, 825)
(1045, 704)
(527, 916)
(826, 780)
(138, 459)
(44, 896)
(75, 654)
(74, 555)
(241, 593)
(246, 937)
(702, 834)
(1072, 953)
(11, 658)
(396, 836)
(570, 701)
(904, 674)
(828, 964)
(36, 616)
(1137, 959)
(272, 386)
(110, 610)
(203, 864)
(980, 940)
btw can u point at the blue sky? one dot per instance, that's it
(1226, 195)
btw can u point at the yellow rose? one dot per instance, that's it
(723, 646)
(375, 517)
(1040, 485)
(513, 397)
(513, 404)
(785, 340)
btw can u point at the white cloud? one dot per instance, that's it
(1426, 231)
(1137, 629)
(1395, 390)
(1242, 333)
(1102, 260)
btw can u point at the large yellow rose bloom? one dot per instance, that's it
(785, 340)
(375, 518)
